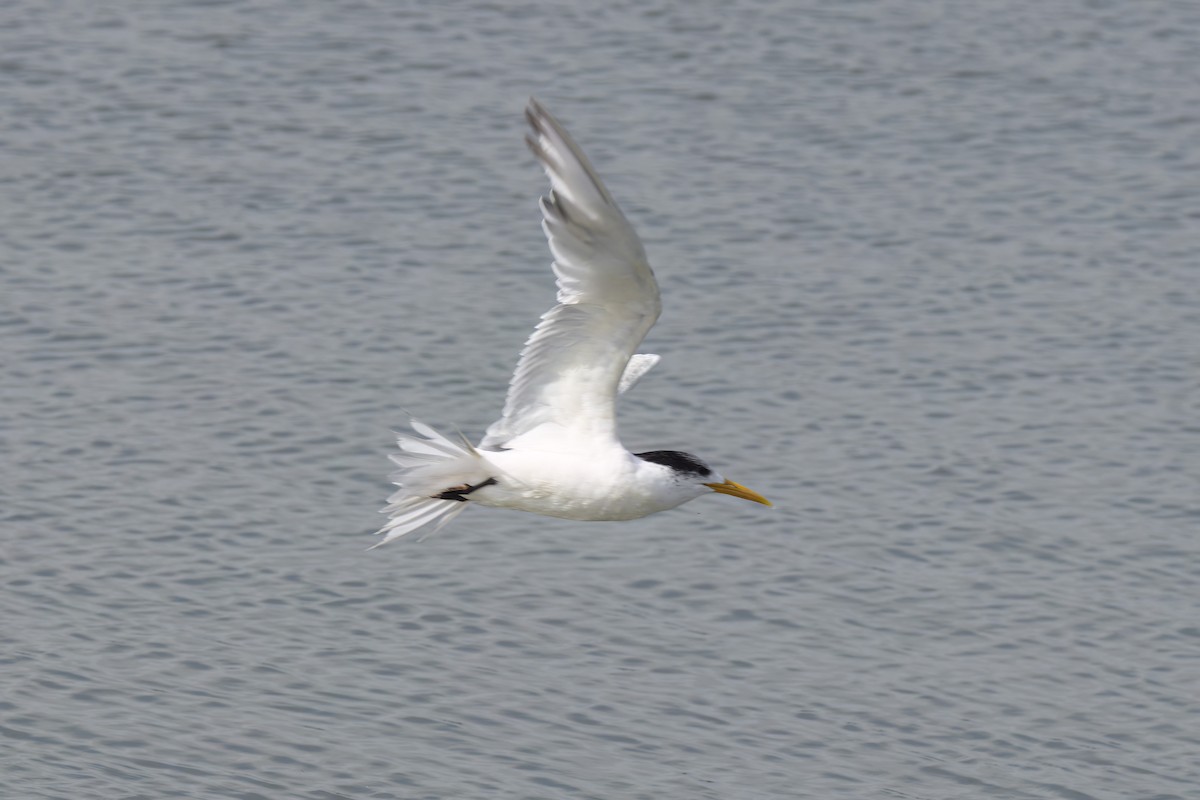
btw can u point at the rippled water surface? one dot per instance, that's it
(929, 274)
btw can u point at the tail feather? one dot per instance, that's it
(417, 514)
(427, 467)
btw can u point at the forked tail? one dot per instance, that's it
(428, 467)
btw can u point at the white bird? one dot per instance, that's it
(555, 450)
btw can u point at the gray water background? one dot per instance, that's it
(930, 282)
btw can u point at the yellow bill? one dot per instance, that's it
(737, 490)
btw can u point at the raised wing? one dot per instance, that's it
(638, 366)
(563, 394)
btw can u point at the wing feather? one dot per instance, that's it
(565, 385)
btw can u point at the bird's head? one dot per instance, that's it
(691, 474)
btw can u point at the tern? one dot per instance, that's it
(554, 450)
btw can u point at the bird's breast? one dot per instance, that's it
(567, 486)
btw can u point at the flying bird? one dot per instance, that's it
(555, 450)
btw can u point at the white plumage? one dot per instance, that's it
(555, 450)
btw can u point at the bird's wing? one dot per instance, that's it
(563, 394)
(638, 366)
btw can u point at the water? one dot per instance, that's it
(929, 282)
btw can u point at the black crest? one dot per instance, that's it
(678, 461)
